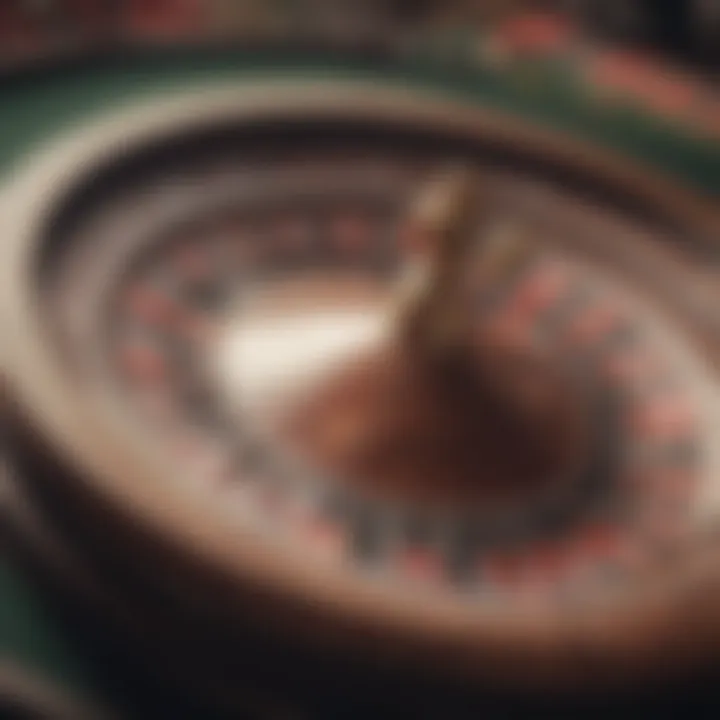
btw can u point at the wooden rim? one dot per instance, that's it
(27, 693)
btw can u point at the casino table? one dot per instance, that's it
(59, 658)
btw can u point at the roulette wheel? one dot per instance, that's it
(343, 377)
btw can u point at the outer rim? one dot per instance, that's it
(26, 693)
(546, 645)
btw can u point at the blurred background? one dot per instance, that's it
(663, 55)
(688, 30)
